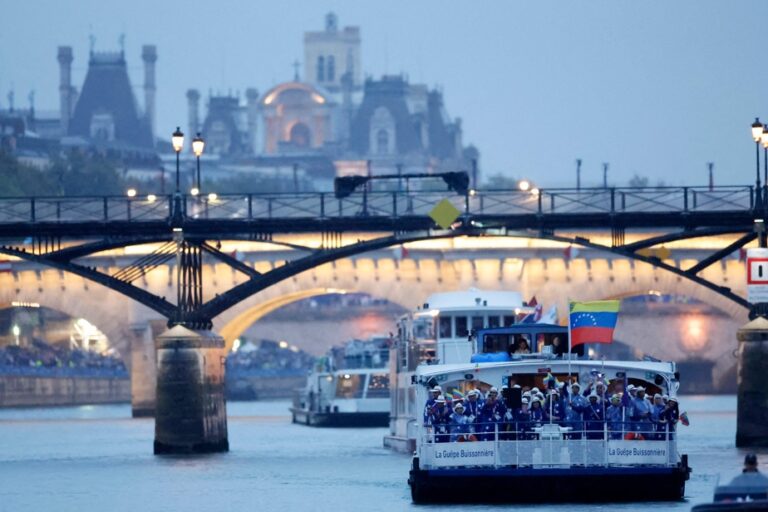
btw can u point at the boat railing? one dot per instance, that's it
(547, 445)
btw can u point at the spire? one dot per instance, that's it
(296, 64)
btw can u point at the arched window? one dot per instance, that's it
(300, 135)
(331, 68)
(382, 142)
(320, 69)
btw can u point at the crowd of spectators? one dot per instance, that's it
(268, 358)
(40, 358)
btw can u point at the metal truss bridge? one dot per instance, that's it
(57, 231)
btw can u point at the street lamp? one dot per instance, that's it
(764, 141)
(177, 139)
(16, 331)
(524, 185)
(757, 133)
(131, 192)
(198, 144)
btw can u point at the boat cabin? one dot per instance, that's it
(521, 341)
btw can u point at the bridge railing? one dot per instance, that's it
(312, 205)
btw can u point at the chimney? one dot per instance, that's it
(193, 100)
(65, 87)
(149, 56)
(252, 105)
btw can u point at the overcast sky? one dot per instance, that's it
(657, 88)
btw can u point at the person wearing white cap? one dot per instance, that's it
(594, 417)
(576, 405)
(491, 414)
(522, 419)
(671, 416)
(536, 412)
(659, 424)
(473, 405)
(459, 424)
(641, 414)
(439, 419)
(614, 415)
(433, 394)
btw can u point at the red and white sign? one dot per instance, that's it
(757, 275)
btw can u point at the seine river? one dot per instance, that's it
(98, 458)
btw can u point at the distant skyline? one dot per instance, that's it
(654, 88)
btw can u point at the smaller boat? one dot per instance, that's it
(748, 491)
(349, 387)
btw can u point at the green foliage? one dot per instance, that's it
(500, 181)
(71, 173)
(639, 181)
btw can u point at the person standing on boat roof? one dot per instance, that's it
(576, 404)
(641, 413)
(614, 415)
(491, 415)
(594, 418)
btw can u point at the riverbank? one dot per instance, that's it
(58, 390)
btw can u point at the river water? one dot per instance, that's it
(98, 458)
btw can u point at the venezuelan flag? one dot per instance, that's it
(593, 322)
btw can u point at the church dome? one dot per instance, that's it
(295, 94)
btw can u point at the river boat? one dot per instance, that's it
(519, 460)
(349, 387)
(437, 333)
(748, 491)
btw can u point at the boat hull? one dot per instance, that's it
(339, 419)
(528, 485)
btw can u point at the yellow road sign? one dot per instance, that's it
(444, 214)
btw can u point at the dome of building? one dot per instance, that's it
(295, 93)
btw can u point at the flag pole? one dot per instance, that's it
(569, 340)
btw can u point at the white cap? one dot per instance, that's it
(630, 387)
(593, 395)
(527, 393)
(657, 396)
(526, 401)
(473, 392)
(536, 399)
(493, 390)
(458, 405)
(440, 399)
(673, 399)
(575, 385)
(639, 389)
(436, 389)
(516, 386)
(615, 396)
(534, 390)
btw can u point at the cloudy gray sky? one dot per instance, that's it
(657, 88)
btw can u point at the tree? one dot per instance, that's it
(638, 181)
(500, 181)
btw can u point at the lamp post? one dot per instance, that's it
(198, 145)
(177, 139)
(578, 174)
(757, 133)
(764, 141)
(16, 331)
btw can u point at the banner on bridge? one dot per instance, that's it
(757, 275)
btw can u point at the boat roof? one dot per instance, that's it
(524, 328)
(539, 362)
(473, 299)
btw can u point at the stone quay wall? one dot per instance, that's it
(31, 391)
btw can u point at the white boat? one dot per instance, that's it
(438, 333)
(347, 388)
(522, 459)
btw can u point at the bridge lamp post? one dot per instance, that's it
(177, 139)
(198, 144)
(524, 185)
(16, 331)
(757, 134)
(764, 141)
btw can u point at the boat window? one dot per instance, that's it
(461, 327)
(350, 386)
(493, 321)
(509, 320)
(557, 341)
(444, 324)
(423, 327)
(378, 387)
(477, 323)
(521, 344)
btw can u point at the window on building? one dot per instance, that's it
(331, 68)
(300, 135)
(461, 327)
(382, 142)
(320, 69)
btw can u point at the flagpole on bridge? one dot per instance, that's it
(569, 340)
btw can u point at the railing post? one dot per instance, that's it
(32, 209)
(695, 198)
(751, 198)
(250, 206)
(496, 445)
(106, 208)
(685, 199)
(538, 201)
(623, 201)
(322, 204)
(365, 201)
(552, 203)
(128, 208)
(613, 200)
(269, 207)
(394, 204)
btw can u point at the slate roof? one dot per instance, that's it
(107, 89)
